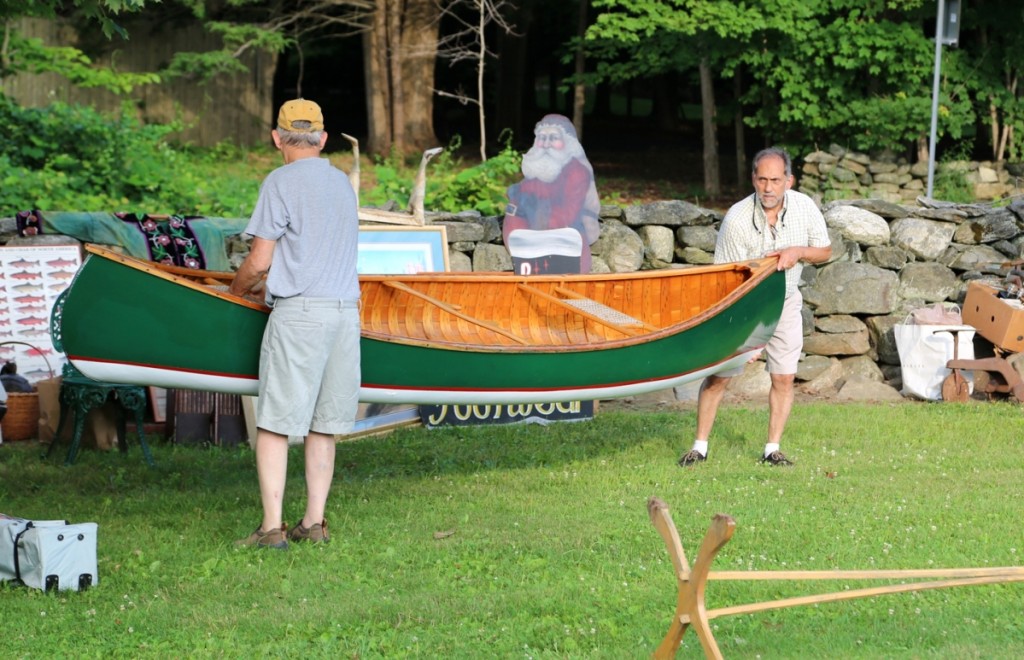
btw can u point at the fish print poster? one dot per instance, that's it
(31, 278)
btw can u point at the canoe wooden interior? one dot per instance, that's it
(434, 337)
(547, 313)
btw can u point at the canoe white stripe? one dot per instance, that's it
(134, 374)
(116, 372)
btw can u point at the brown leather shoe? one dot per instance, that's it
(316, 533)
(275, 538)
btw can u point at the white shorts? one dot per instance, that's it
(309, 367)
(782, 352)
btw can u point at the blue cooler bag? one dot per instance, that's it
(48, 554)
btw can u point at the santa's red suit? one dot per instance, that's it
(539, 205)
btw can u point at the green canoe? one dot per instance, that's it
(434, 338)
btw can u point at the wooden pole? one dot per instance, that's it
(894, 574)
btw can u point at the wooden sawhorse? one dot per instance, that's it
(690, 609)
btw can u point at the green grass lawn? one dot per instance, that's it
(534, 542)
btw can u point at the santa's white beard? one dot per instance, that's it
(545, 164)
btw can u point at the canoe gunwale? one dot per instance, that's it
(184, 276)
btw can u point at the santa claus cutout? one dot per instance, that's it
(551, 217)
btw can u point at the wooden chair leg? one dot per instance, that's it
(662, 520)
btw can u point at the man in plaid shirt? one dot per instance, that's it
(774, 221)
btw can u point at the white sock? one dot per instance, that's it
(701, 447)
(770, 447)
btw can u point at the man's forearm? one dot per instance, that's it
(245, 279)
(816, 255)
(254, 268)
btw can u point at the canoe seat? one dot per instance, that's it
(603, 311)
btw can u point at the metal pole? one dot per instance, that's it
(935, 95)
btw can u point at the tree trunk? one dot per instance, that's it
(579, 89)
(712, 183)
(395, 53)
(481, 62)
(400, 50)
(378, 87)
(741, 142)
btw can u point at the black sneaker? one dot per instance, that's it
(692, 457)
(776, 458)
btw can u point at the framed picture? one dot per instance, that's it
(31, 279)
(397, 251)
(402, 250)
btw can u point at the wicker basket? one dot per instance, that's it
(22, 419)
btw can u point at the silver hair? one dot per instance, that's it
(297, 139)
(573, 145)
(773, 151)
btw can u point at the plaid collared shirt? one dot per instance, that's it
(745, 233)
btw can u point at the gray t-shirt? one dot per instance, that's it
(308, 207)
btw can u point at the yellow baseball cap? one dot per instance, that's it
(300, 110)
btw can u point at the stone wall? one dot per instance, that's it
(841, 174)
(888, 259)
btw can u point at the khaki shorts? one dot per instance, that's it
(782, 352)
(309, 367)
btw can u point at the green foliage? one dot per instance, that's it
(70, 158)
(819, 72)
(950, 184)
(451, 186)
(32, 56)
(236, 38)
(995, 57)
(97, 12)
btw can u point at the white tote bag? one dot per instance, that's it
(924, 351)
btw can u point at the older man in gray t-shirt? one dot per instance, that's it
(305, 230)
